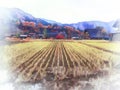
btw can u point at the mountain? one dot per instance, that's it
(15, 13)
(51, 21)
(92, 25)
(9, 17)
(116, 23)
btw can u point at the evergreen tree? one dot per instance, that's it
(45, 33)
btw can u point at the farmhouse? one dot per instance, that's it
(115, 36)
(23, 36)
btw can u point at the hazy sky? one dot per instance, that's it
(68, 11)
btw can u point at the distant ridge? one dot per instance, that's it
(12, 15)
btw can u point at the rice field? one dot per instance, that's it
(57, 59)
(106, 45)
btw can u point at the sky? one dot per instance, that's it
(68, 11)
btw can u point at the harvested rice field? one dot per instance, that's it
(59, 60)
